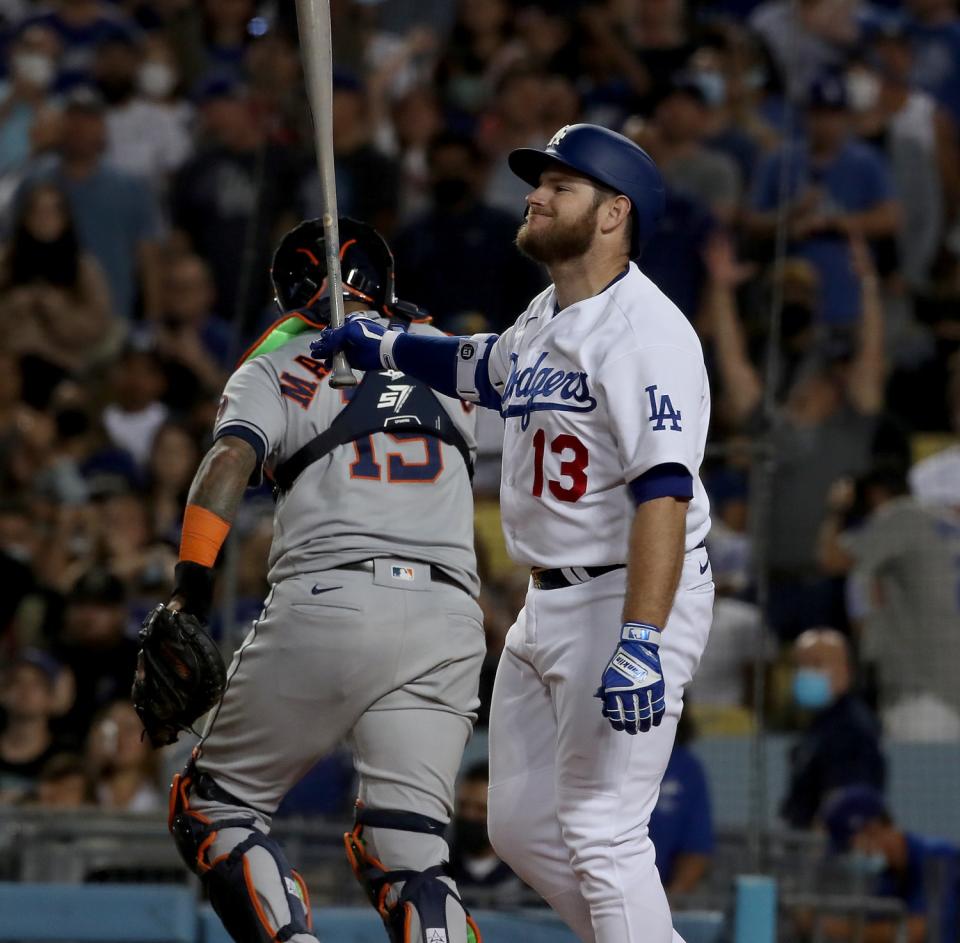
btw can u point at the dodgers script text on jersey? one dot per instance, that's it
(593, 397)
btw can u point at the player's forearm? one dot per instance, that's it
(222, 477)
(432, 360)
(655, 560)
(212, 502)
(447, 364)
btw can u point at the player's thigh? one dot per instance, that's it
(443, 648)
(578, 631)
(408, 744)
(308, 669)
(523, 727)
(407, 757)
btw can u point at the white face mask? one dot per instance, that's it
(863, 90)
(34, 68)
(156, 79)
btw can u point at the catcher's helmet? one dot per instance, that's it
(610, 159)
(299, 267)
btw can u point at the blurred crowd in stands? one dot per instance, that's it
(153, 151)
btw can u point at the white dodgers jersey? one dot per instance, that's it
(593, 396)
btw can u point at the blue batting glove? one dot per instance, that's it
(632, 688)
(359, 339)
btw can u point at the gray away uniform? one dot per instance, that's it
(387, 652)
(913, 551)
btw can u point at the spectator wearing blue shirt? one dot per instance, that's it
(841, 745)
(836, 188)
(24, 99)
(681, 825)
(935, 31)
(922, 873)
(116, 215)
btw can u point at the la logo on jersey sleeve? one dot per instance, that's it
(662, 411)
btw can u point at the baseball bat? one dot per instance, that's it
(313, 22)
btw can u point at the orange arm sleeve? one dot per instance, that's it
(203, 535)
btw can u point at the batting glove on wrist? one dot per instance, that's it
(359, 339)
(632, 687)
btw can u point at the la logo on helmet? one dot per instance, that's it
(559, 136)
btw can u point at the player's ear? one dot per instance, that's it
(615, 213)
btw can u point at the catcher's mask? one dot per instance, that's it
(299, 267)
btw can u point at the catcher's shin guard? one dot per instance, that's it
(257, 895)
(415, 906)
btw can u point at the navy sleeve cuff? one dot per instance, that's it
(662, 481)
(248, 435)
(430, 359)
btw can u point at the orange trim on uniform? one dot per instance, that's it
(202, 865)
(203, 535)
(255, 899)
(306, 897)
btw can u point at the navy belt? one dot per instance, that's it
(569, 575)
(575, 575)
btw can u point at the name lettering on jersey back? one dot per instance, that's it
(299, 389)
(541, 386)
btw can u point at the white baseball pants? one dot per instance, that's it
(570, 797)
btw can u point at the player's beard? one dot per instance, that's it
(559, 243)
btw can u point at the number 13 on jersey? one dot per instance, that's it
(571, 463)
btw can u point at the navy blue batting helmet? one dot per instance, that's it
(610, 159)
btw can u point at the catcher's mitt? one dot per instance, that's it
(180, 674)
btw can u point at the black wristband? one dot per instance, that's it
(193, 583)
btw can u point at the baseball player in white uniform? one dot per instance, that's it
(371, 629)
(604, 393)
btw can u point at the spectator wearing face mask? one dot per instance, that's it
(480, 875)
(80, 27)
(24, 95)
(923, 874)
(144, 138)
(841, 744)
(917, 136)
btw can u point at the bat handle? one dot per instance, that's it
(342, 375)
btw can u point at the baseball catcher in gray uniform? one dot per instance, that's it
(370, 631)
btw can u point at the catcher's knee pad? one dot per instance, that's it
(257, 895)
(418, 911)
